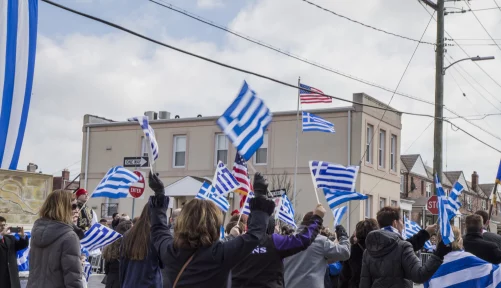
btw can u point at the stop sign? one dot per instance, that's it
(137, 189)
(432, 205)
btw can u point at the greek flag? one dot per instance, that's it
(461, 269)
(87, 270)
(312, 122)
(99, 236)
(286, 212)
(208, 192)
(221, 231)
(149, 133)
(23, 255)
(443, 214)
(338, 214)
(457, 189)
(333, 176)
(337, 197)
(498, 175)
(411, 229)
(116, 183)
(245, 122)
(246, 208)
(453, 203)
(18, 40)
(225, 181)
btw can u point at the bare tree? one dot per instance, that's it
(286, 182)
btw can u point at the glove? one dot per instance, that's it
(442, 250)
(260, 203)
(260, 185)
(341, 232)
(156, 184)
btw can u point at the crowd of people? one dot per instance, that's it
(188, 250)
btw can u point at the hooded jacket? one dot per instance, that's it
(54, 256)
(390, 262)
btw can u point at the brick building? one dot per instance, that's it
(63, 181)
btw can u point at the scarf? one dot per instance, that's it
(392, 229)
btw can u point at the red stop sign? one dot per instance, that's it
(432, 205)
(137, 189)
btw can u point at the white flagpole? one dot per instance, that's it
(297, 144)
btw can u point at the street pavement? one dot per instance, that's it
(94, 281)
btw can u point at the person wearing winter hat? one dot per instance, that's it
(87, 217)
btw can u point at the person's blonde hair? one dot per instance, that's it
(198, 225)
(57, 207)
(458, 241)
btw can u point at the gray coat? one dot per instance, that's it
(390, 262)
(54, 256)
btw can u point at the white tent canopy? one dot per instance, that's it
(186, 186)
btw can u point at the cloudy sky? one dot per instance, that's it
(84, 67)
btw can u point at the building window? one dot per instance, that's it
(262, 153)
(468, 202)
(422, 188)
(382, 203)
(179, 151)
(401, 183)
(382, 145)
(428, 189)
(484, 205)
(393, 153)
(368, 147)
(221, 148)
(368, 207)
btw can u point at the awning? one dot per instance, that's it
(187, 186)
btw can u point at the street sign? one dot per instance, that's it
(136, 190)
(432, 205)
(136, 162)
(278, 193)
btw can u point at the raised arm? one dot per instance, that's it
(23, 241)
(417, 271)
(418, 239)
(337, 252)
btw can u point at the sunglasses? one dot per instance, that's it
(74, 206)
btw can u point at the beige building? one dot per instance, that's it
(192, 147)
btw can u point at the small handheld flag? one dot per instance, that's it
(338, 214)
(225, 181)
(87, 270)
(336, 197)
(333, 176)
(99, 236)
(312, 122)
(23, 255)
(286, 212)
(411, 229)
(246, 208)
(208, 192)
(443, 214)
(149, 133)
(116, 183)
(240, 172)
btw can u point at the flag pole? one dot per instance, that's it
(297, 143)
(494, 203)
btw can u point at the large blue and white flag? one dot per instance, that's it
(23, 258)
(461, 269)
(116, 183)
(443, 214)
(18, 40)
(208, 192)
(149, 133)
(224, 182)
(286, 212)
(333, 176)
(411, 228)
(246, 208)
(245, 122)
(312, 122)
(338, 197)
(99, 236)
(338, 214)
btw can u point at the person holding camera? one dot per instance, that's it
(9, 245)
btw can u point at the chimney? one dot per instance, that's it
(32, 167)
(66, 174)
(474, 181)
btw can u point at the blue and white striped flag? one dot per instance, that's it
(221, 231)
(23, 263)
(338, 214)
(286, 212)
(149, 133)
(18, 40)
(245, 122)
(443, 214)
(461, 269)
(208, 192)
(312, 122)
(333, 176)
(337, 197)
(411, 229)
(453, 203)
(116, 183)
(99, 236)
(87, 270)
(224, 182)
(246, 208)
(457, 189)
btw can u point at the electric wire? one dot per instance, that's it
(479, 22)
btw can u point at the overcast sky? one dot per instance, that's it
(84, 67)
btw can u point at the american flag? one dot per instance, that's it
(312, 96)
(240, 172)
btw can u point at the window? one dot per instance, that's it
(422, 188)
(179, 151)
(428, 189)
(221, 149)
(393, 153)
(382, 145)
(262, 153)
(446, 192)
(483, 205)
(368, 206)
(468, 202)
(382, 203)
(368, 151)
(401, 183)
(144, 147)
(393, 203)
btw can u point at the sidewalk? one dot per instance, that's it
(94, 281)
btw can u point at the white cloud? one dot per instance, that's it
(207, 4)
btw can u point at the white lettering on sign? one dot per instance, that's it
(132, 161)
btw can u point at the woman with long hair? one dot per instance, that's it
(139, 262)
(55, 247)
(111, 256)
(194, 256)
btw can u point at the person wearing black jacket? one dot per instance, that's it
(474, 242)
(195, 256)
(489, 236)
(9, 245)
(264, 267)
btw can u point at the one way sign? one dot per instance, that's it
(136, 162)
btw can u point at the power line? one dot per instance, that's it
(250, 72)
(283, 52)
(497, 5)
(474, 39)
(466, 2)
(482, 116)
(66, 167)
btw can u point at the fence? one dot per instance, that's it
(107, 209)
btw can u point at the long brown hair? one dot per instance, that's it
(198, 225)
(112, 251)
(137, 240)
(57, 207)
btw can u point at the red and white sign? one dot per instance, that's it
(432, 205)
(136, 190)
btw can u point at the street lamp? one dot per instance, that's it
(478, 58)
